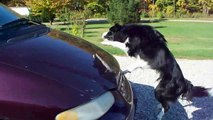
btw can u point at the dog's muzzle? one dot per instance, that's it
(107, 36)
(104, 35)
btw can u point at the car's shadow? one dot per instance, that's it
(205, 108)
(147, 109)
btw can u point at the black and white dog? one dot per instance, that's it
(144, 42)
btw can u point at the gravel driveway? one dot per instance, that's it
(199, 72)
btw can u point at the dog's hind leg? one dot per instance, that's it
(163, 100)
(165, 108)
(161, 112)
(160, 115)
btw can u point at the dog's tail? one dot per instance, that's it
(197, 91)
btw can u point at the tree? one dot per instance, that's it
(182, 4)
(193, 6)
(123, 11)
(94, 9)
(167, 6)
(78, 23)
(13, 3)
(206, 5)
(162, 4)
(46, 9)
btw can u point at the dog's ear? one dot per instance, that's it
(117, 27)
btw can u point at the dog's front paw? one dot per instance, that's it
(125, 72)
(105, 42)
(160, 115)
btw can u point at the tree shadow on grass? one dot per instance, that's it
(104, 21)
(65, 28)
(91, 34)
(97, 27)
(153, 20)
(157, 27)
(147, 109)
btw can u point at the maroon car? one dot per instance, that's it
(46, 74)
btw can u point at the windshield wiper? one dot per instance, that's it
(14, 23)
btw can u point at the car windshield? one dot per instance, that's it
(7, 15)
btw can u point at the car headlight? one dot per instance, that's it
(89, 111)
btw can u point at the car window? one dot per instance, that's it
(7, 15)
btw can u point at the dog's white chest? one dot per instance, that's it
(125, 48)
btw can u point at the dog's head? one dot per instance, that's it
(115, 34)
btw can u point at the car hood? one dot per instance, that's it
(54, 69)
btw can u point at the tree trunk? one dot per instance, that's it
(207, 12)
(51, 22)
(205, 9)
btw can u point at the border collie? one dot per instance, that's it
(144, 42)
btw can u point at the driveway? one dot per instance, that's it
(199, 72)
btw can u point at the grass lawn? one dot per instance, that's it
(185, 39)
(93, 34)
(191, 40)
(188, 39)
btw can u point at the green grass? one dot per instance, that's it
(93, 34)
(185, 39)
(188, 39)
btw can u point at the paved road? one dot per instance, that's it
(143, 81)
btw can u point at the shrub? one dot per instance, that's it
(198, 15)
(35, 18)
(170, 11)
(144, 15)
(63, 15)
(123, 11)
(160, 15)
(75, 30)
(94, 9)
(46, 9)
(153, 9)
(78, 23)
(182, 13)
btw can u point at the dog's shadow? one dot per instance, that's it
(147, 105)
(205, 108)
